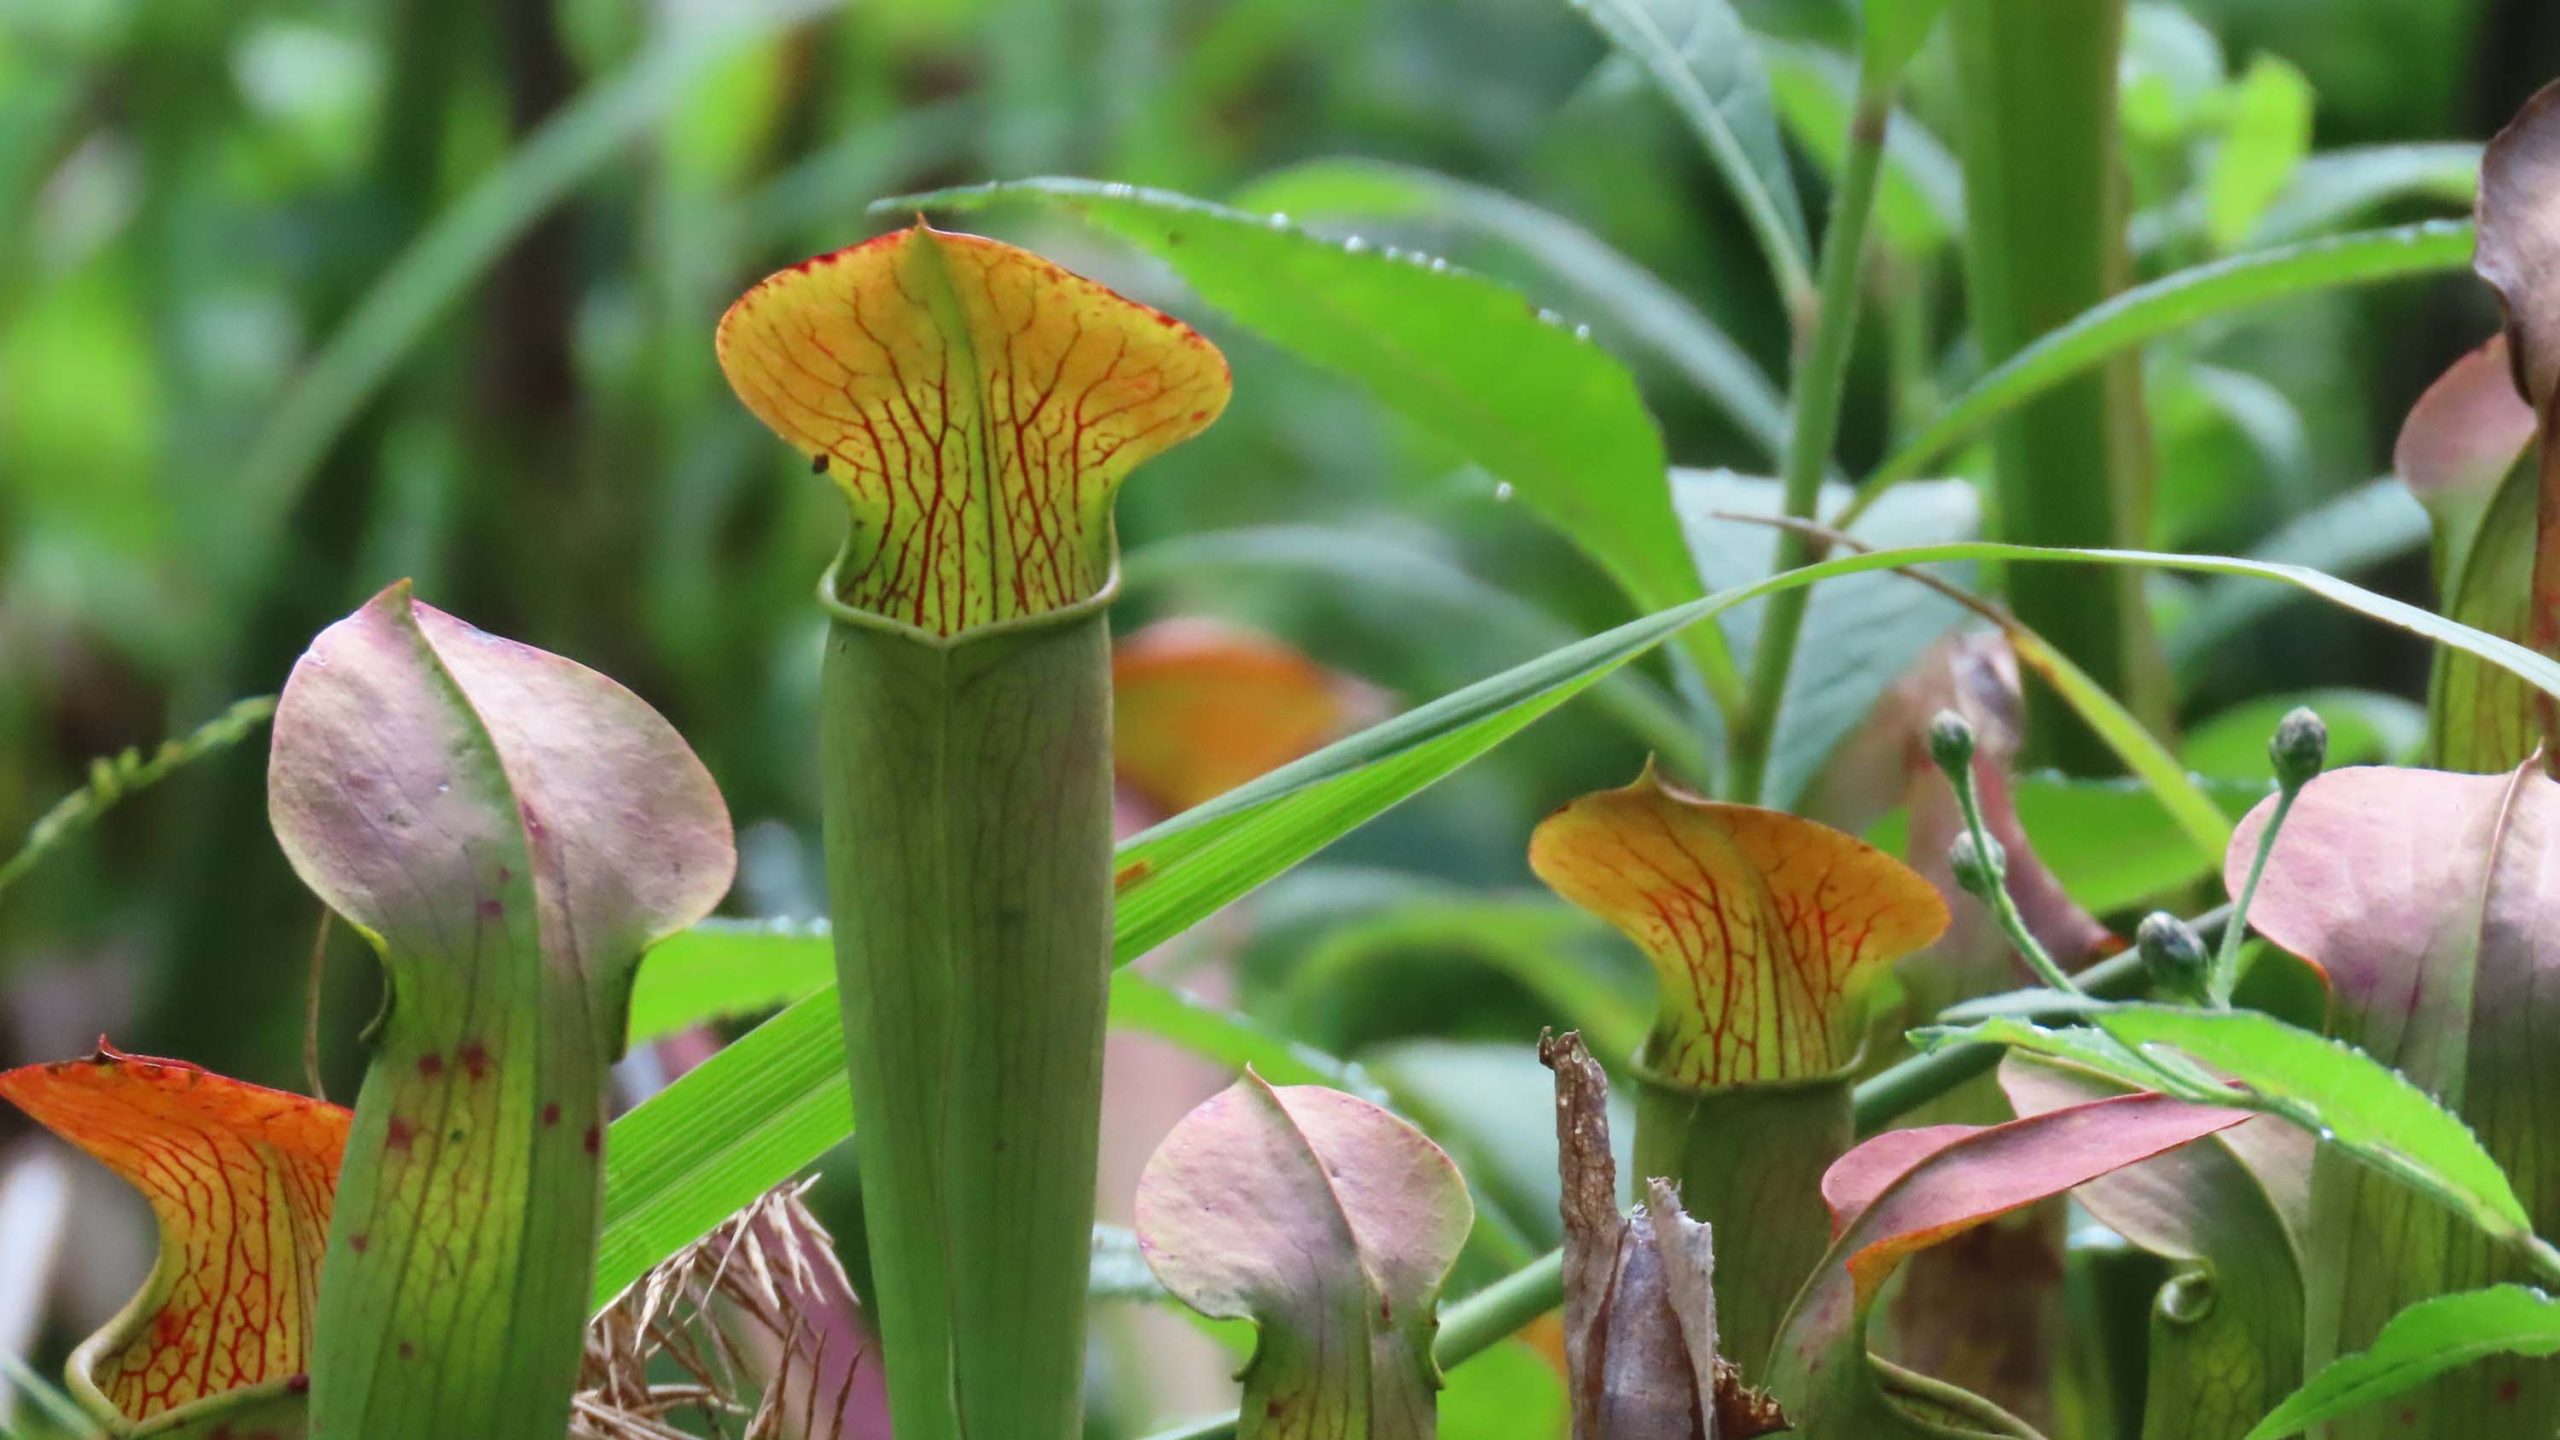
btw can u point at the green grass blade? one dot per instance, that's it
(2171, 303)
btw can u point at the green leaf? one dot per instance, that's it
(2329, 1088)
(2336, 186)
(1330, 1224)
(2130, 740)
(1613, 288)
(2171, 303)
(1463, 357)
(742, 1123)
(2266, 136)
(2420, 1343)
(1893, 33)
(1713, 77)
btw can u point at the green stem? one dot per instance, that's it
(2225, 975)
(2044, 241)
(1821, 381)
(1995, 893)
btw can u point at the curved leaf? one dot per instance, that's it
(2519, 253)
(241, 1179)
(1713, 77)
(510, 830)
(1331, 1225)
(1612, 287)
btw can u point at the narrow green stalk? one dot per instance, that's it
(1821, 381)
(2225, 975)
(1990, 885)
(2044, 242)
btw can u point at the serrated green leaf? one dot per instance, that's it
(2418, 1344)
(2325, 1086)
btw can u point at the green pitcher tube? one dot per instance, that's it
(978, 408)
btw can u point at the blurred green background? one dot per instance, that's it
(300, 298)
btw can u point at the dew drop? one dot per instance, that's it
(1439, 265)
(1277, 220)
(1550, 317)
(1581, 332)
(1354, 245)
(1502, 492)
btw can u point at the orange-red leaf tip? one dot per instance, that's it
(979, 407)
(241, 1179)
(1767, 930)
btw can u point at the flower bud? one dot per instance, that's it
(2299, 749)
(2173, 953)
(1950, 742)
(1978, 869)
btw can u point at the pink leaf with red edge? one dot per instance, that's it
(1906, 1190)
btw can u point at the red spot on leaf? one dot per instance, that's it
(2508, 1389)
(550, 1115)
(430, 1066)
(594, 1141)
(360, 1243)
(475, 1060)
(401, 1136)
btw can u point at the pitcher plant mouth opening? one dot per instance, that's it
(978, 408)
(1767, 932)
